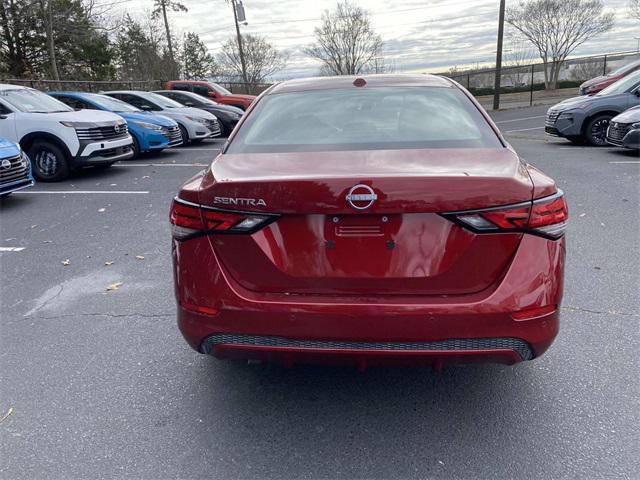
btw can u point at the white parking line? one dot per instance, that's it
(630, 161)
(11, 249)
(519, 119)
(161, 165)
(523, 129)
(66, 192)
(195, 149)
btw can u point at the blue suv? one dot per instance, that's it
(15, 168)
(150, 132)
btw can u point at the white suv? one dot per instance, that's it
(195, 124)
(58, 138)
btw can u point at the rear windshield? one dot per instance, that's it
(364, 119)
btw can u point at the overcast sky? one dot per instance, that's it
(419, 35)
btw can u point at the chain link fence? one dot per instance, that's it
(524, 85)
(521, 85)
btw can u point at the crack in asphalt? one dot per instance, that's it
(599, 312)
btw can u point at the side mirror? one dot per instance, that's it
(3, 116)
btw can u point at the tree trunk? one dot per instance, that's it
(169, 44)
(51, 46)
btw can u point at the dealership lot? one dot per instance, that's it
(99, 382)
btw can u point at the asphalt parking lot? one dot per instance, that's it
(100, 384)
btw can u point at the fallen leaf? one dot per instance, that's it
(114, 286)
(146, 176)
(66, 262)
(46, 241)
(139, 257)
(34, 226)
(107, 264)
(6, 415)
(583, 214)
(102, 210)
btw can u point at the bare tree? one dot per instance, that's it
(345, 41)
(261, 59)
(634, 8)
(517, 60)
(160, 7)
(557, 27)
(587, 69)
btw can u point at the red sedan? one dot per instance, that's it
(371, 220)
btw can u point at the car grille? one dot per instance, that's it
(617, 132)
(213, 126)
(17, 171)
(103, 133)
(552, 116)
(464, 344)
(173, 134)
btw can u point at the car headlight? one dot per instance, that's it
(25, 159)
(199, 120)
(566, 115)
(150, 126)
(635, 125)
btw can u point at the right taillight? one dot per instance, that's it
(546, 217)
(190, 220)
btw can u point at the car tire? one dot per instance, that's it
(595, 131)
(135, 147)
(185, 134)
(49, 162)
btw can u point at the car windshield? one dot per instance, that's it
(623, 85)
(183, 97)
(33, 101)
(111, 104)
(364, 119)
(164, 102)
(220, 89)
(625, 68)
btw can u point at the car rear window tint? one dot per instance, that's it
(364, 119)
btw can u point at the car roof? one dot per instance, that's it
(347, 81)
(8, 86)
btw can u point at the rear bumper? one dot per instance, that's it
(217, 316)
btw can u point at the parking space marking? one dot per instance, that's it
(630, 161)
(11, 249)
(519, 119)
(162, 165)
(196, 149)
(65, 192)
(523, 129)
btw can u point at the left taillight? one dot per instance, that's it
(190, 220)
(546, 217)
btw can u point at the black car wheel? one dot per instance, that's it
(185, 134)
(49, 162)
(596, 130)
(135, 146)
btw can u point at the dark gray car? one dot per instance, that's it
(624, 130)
(586, 119)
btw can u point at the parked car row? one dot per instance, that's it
(63, 131)
(598, 119)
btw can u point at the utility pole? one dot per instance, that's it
(244, 65)
(496, 85)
